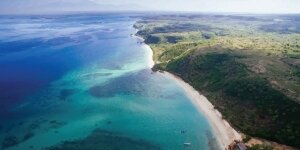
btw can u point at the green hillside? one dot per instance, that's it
(247, 66)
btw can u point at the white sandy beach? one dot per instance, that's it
(149, 50)
(224, 133)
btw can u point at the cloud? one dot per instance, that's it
(244, 6)
(28, 6)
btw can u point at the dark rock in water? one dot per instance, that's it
(10, 141)
(53, 121)
(154, 69)
(27, 136)
(34, 126)
(104, 140)
(108, 122)
(40, 121)
(37, 124)
(56, 124)
(21, 123)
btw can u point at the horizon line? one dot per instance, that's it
(149, 11)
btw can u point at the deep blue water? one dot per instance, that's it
(83, 78)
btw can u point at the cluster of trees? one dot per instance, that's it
(261, 147)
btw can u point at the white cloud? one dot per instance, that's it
(244, 6)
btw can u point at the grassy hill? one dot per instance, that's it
(247, 66)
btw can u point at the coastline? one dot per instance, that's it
(150, 61)
(224, 133)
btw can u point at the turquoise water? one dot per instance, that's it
(84, 79)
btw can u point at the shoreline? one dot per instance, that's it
(223, 132)
(150, 61)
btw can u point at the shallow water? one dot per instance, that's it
(82, 81)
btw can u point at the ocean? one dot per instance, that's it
(84, 82)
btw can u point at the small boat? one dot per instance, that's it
(187, 144)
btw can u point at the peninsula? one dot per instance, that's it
(246, 65)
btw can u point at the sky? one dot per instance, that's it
(233, 6)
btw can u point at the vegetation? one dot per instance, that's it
(246, 139)
(261, 147)
(247, 66)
